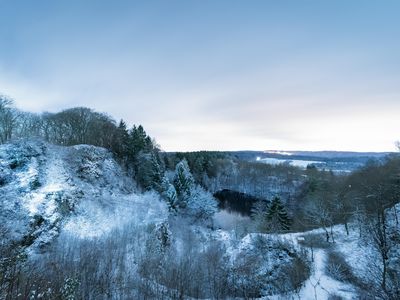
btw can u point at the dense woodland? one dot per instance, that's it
(285, 199)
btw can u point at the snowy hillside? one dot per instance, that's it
(81, 189)
(61, 201)
(75, 226)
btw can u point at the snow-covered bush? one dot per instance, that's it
(201, 205)
(69, 289)
(337, 268)
(293, 276)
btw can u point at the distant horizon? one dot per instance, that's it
(394, 150)
(310, 151)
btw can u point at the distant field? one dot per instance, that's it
(340, 162)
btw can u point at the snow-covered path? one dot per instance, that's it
(320, 286)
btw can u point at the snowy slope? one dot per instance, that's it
(45, 189)
(320, 285)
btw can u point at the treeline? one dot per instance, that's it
(202, 163)
(132, 147)
(216, 171)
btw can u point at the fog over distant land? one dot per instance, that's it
(215, 75)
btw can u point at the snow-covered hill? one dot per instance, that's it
(81, 195)
(46, 188)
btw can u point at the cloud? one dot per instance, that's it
(211, 76)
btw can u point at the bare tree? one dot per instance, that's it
(319, 214)
(378, 188)
(8, 119)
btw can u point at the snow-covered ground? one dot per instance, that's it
(52, 180)
(293, 162)
(79, 189)
(319, 285)
(100, 216)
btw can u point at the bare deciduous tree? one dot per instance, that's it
(8, 119)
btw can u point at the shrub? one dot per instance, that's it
(338, 268)
(296, 273)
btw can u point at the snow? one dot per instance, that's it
(26, 177)
(321, 286)
(360, 255)
(357, 253)
(53, 179)
(278, 152)
(81, 189)
(100, 216)
(295, 162)
(229, 220)
(104, 200)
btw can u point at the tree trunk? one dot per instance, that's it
(395, 215)
(383, 245)
(327, 234)
(312, 253)
(346, 226)
(384, 270)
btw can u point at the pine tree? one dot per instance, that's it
(139, 139)
(192, 199)
(120, 145)
(169, 194)
(183, 180)
(157, 172)
(277, 216)
(149, 173)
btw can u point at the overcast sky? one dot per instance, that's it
(213, 74)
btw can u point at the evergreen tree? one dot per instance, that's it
(192, 199)
(183, 180)
(149, 173)
(139, 140)
(120, 145)
(169, 194)
(276, 216)
(143, 159)
(157, 172)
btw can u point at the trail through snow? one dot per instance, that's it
(321, 286)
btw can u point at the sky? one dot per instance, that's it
(214, 74)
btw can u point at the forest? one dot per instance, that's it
(171, 243)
